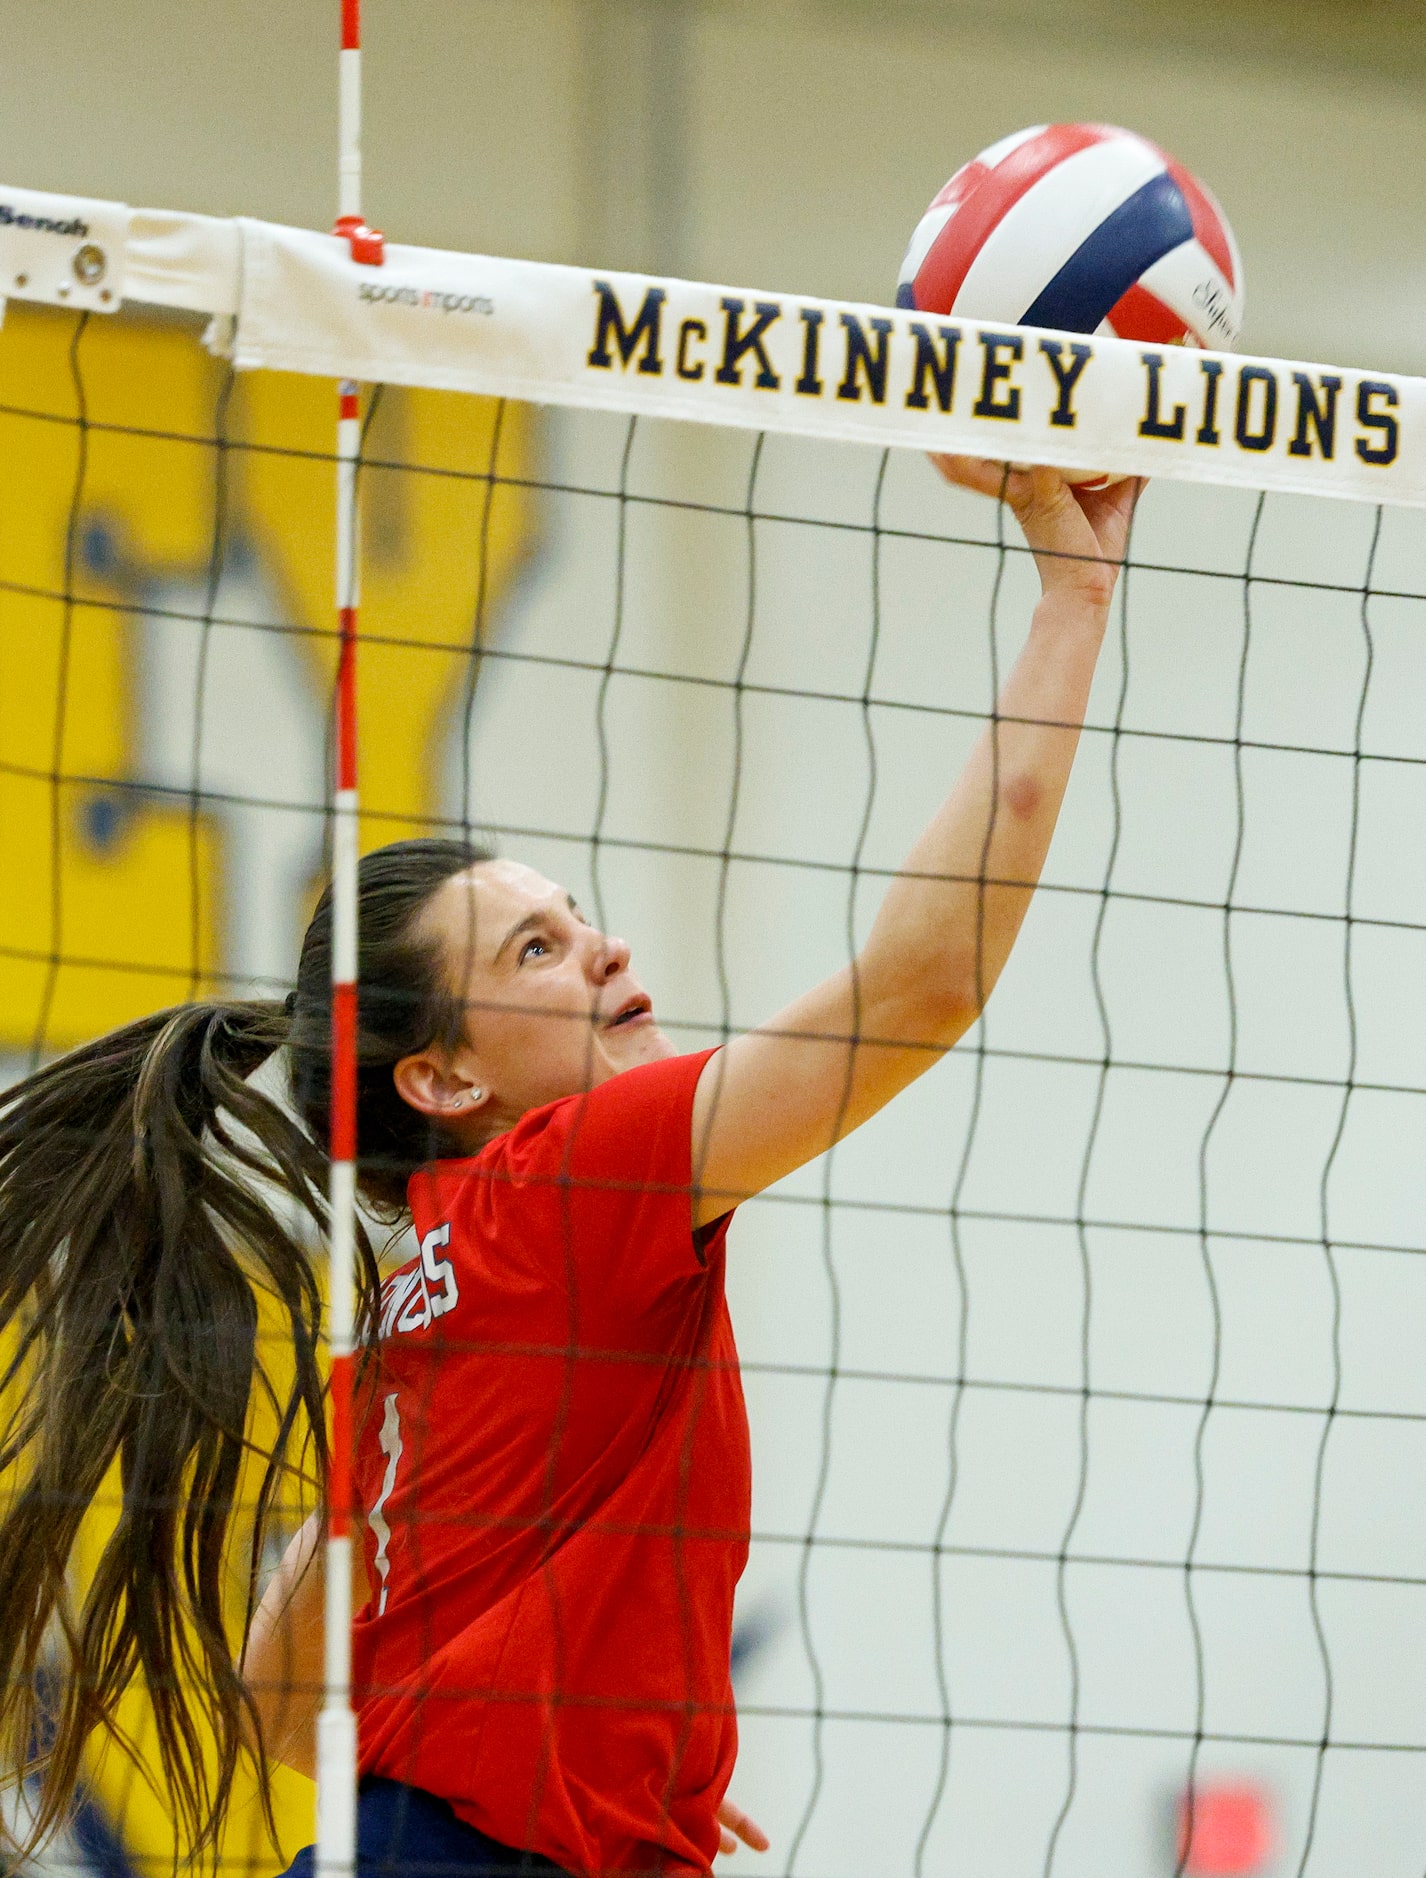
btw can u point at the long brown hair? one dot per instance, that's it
(148, 1191)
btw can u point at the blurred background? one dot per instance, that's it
(980, 1343)
(790, 144)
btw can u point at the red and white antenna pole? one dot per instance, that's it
(336, 1727)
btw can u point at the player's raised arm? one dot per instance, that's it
(777, 1096)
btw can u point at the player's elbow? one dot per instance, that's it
(958, 998)
(937, 1008)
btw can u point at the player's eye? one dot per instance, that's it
(533, 948)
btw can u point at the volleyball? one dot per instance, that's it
(1082, 228)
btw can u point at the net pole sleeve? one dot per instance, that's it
(336, 1756)
(336, 1727)
(349, 113)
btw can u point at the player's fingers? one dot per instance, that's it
(1116, 497)
(726, 1841)
(1044, 489)
(733, 1818)
(1109, 512)
(1044, 504)
(982, 474)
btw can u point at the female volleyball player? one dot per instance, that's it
(553, 1460)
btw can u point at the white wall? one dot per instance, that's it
(819, 145)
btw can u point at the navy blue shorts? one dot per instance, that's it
(405, 1833)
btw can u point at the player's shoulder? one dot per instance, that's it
(622, 1118)
(635, 1126)
(631, 1136)
(473, 1242)
(495, 1225)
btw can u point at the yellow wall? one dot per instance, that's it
(92, 931)
(441, 544)
(116, 898)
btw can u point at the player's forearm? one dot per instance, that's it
(781, 1094)
(951, 917)
(282, 1663)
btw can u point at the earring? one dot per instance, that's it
(475, 1095)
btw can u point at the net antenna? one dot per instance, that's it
(336, 1727)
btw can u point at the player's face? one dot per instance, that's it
(552, 1006)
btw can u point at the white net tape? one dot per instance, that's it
(290, 300)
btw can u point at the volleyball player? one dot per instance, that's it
(553, 1457)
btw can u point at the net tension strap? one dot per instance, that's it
(291, 300)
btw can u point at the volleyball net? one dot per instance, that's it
(1085, 1382)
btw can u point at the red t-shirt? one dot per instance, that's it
(555, 1472)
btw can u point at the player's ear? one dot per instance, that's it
(445, 1088)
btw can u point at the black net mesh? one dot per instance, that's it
(1085, 1381)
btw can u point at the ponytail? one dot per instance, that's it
(148, 1191)
(131, 1238)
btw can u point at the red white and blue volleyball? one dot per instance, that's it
(1081, 228)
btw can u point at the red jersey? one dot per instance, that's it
(555, 1472)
